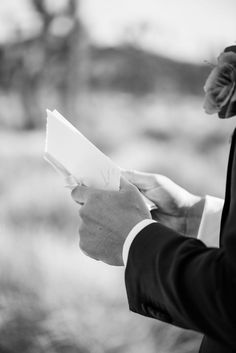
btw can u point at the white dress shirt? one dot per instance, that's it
(208, 232)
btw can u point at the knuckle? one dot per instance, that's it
(75, 194)
(83, 231)
(82, 239)
(83, 248)
(82, 244)
(86, 214)
(86, 211)
(83, 212)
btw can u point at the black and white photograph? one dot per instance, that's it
(117, 176)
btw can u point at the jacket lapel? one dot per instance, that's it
(228, 186)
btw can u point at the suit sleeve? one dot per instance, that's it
(179, 280)
(209, 229)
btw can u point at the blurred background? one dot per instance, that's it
(129, 74)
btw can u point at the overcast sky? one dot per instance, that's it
(192, 30)
(185, 29)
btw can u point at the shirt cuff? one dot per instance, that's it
(209, 230)
(132, 234)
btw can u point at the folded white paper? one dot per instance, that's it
(76, 158)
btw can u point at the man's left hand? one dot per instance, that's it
(107, 217)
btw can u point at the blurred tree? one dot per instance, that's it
(51, 63)
(67, 53)
(55, 66)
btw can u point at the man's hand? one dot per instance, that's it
(176, 207)
(107, 217)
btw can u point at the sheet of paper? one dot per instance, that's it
(75, 157)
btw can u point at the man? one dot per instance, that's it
(170, 275)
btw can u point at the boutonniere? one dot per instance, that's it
(220, 86)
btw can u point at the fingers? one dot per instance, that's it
(124, 183)
(80, 194)
(143, 181)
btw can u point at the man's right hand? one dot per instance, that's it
(176, 207)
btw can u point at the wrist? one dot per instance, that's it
(194, 215)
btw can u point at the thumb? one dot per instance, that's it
(143, 181)
(80, 194)
(124, 184)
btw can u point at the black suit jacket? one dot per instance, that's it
(179, 280)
